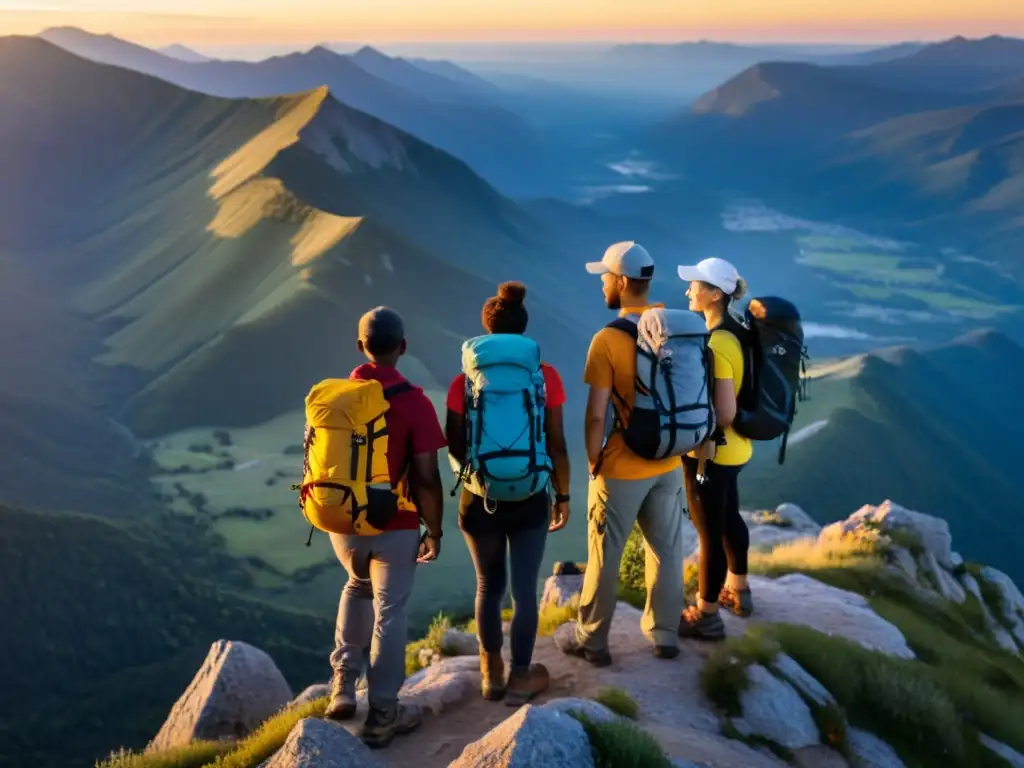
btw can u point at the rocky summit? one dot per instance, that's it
(872, 644)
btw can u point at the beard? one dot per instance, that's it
(614, 301)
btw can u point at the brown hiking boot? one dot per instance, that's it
(736, 601)
(382, 725)
(695, 624)
(526, 682)
(492, 675)
(342, 705)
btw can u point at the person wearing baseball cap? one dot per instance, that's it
(714, 502)
(385, 565)
(625, 488)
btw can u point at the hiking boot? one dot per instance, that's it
(342, 705)
(526, 682)
(666, 651)
(492, 675)
(569, 643)
(382, 725)
(695, 624)
(736, 601)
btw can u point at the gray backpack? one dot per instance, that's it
(673, 411)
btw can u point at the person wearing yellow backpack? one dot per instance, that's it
(373, 514)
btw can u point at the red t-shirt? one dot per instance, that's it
(412, 423)
(552, 383)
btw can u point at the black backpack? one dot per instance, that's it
(775, 370)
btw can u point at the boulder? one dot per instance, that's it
(902, 559)
(1009, 754)
(932, 532)
(312, 693)
(799, 599)
(869, 751)
(944, 581)
(237, 687)
(998, 631)
(560, 590)
(818, 756)
(533, 736)
(458, 643)
(316, 743)
(773, 709)
(592, 710)
(444, 684)
(797, 518)
(787, 668)
(1013, 601)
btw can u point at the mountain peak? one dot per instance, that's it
(369, 52)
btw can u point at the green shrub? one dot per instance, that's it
(618, 701)
(724, 675)
(621, 744)
(433, 641)
(631, 567)
(553, 616)
(195, 755)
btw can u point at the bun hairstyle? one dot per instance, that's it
(505, 312)
(741, 290)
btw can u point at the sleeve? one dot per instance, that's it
(456, 401)
(555, 387)
(598, 371)
(724, 359)
(427, 437)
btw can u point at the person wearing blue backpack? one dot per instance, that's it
(507, 446)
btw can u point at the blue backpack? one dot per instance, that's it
(506, 446)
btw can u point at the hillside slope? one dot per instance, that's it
(100, 620)
(937, 428)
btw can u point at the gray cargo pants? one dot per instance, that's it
(372, 610)
(657, 505)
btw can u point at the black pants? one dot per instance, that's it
(520, 530)
(715, 510)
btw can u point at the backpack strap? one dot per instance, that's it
(628, 326)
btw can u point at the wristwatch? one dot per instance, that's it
(561, 498)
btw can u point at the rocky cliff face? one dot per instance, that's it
(872, 644)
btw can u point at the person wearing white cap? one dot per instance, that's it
(714, 502)
(625, 488)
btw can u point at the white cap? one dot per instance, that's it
(717, 272)
(626, 259)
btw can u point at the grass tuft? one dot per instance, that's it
(553, 616)
(264, 742)
(618, 701)
(433, 641)
(724, 675)
(621, 744)
(195, 755)
(473, 629)
(771, 517)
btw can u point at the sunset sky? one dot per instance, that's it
(241, 22)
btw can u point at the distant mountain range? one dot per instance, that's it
(922, 146)
(456, 113)
(184, 53)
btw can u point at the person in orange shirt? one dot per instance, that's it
(625, 488)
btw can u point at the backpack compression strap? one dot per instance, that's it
(630, 327)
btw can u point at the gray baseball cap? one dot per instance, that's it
(381, 330)
(626, 259)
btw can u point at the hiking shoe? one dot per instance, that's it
(382, 725)
(342, 705)
(736, 601)
(526, 682)
(666, 651)
(569, 643)
(492, 675)
(698, 625)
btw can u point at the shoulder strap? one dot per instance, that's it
(625, 325)
(397, 389)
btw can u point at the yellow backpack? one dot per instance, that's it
(346, 486)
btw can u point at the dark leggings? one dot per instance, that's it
(489, 538)
(715, 510)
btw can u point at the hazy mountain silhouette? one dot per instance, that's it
(184, 53)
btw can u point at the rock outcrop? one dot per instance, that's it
(235, 690)
(869, 751)
(321, 744)
(931, 532)
(774, 710)
(533, 736)
(1011, 599)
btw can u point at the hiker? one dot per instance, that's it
(624, 487)
(381, 567)
(714, 502)
(512, 516)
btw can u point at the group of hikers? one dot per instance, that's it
(662, 413)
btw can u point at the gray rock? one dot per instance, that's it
(956, 559)
(312, 693)
(683, 764)
(774, 710)
(237, 687)
(818, 756)
(932, 532)
(595, 712)
(768, 537)
(905, 561)
(458, 643)
(443, 685)
(1009, 754)
(316, 743)
(869, 751)
(532, 737)
(948, 586)
(797, 518)
(997, 630)
(560, 590)
(799, 599)
(1013, 601)
(787, 668)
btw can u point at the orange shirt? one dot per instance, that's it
(611, 363)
